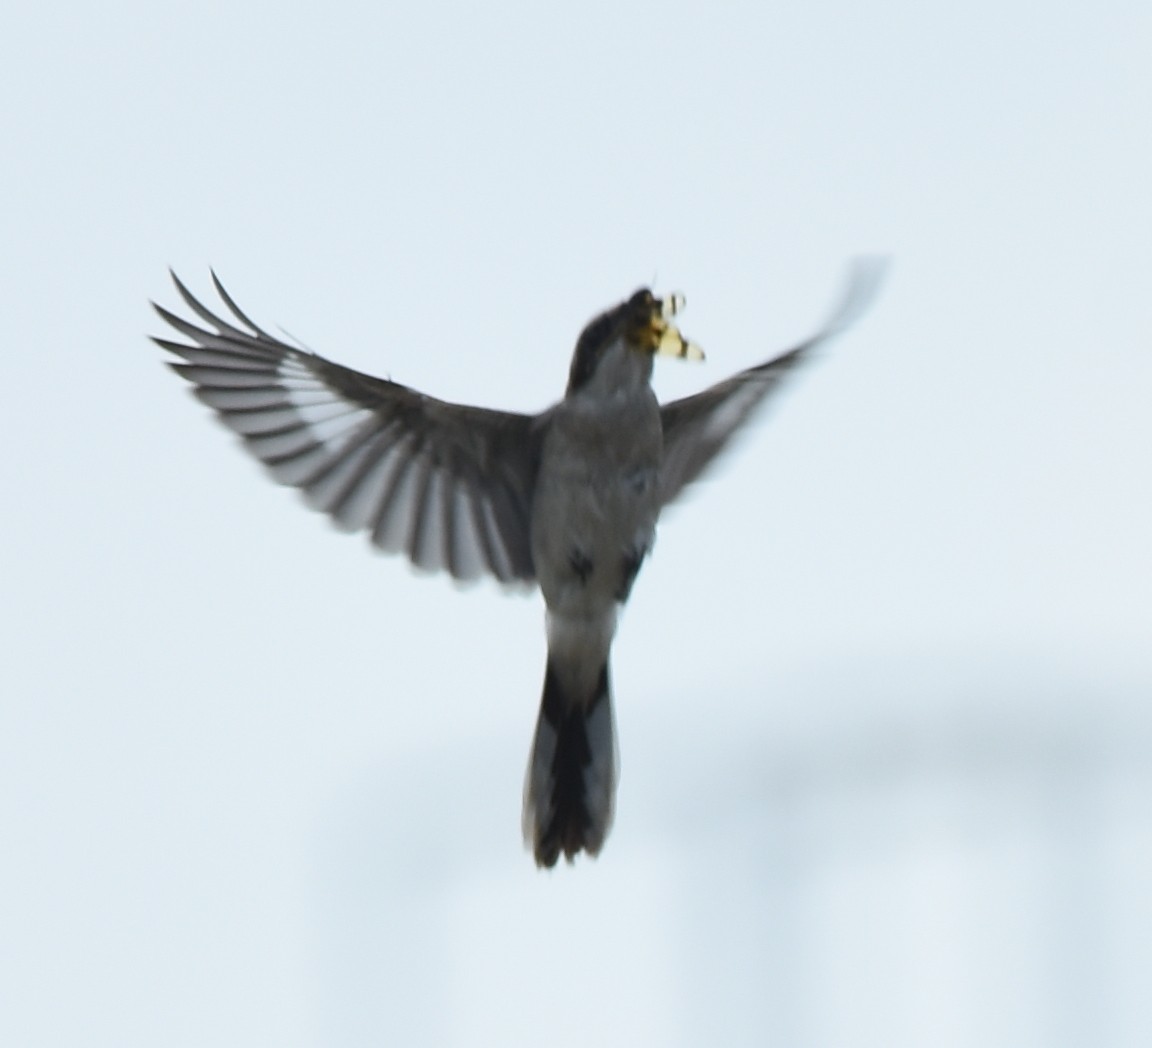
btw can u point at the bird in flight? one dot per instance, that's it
(566, 500)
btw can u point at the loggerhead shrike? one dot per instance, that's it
(566, 500)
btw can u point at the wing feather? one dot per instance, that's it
(447, 484)
(699, 427)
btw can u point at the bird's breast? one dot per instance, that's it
(595, 505)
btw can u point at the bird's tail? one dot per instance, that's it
(571, 780)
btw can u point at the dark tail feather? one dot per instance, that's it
(571, 773)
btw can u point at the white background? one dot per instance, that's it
(882, 690)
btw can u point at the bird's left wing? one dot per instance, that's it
(697, 428)
(446, 484)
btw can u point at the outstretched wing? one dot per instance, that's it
(446, 484)
(697, 428)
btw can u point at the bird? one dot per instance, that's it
(566, 500)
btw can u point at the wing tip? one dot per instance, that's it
(866, 276)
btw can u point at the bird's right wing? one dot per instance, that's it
(446, 484)
(697, 428)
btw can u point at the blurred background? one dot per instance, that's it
(882, 690)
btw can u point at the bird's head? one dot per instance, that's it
(618, 346)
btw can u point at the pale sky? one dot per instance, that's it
(884, 677)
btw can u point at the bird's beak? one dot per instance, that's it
(661, 337)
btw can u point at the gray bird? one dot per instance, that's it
(566, 500)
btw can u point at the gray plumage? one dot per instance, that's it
(567, 500)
